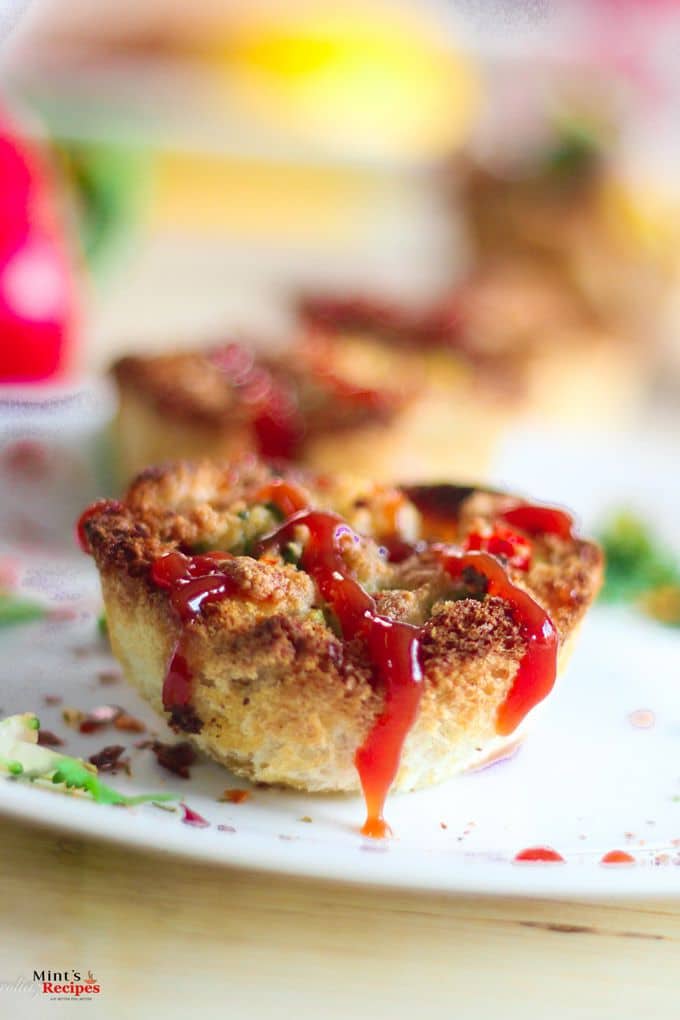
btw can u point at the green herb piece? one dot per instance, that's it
(74, 774)
(577, 149)
(635, 562)
(276, 511)
(109, 183)
(332, 621)
(21, 755)
(291, 553)
(102, 625)
(14, 610)
(247, 547)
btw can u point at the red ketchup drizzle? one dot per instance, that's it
(320, 356)
(393, 649)
(276, 416)
(540, 854)
(192, 581)
(503, 542)
(532, 520)
(91, 511)
(539, 520)
(538, 666)
(178, 683)
(195, 581)
(617, 857)
(278, 425)
(398, 549)
(284, 495)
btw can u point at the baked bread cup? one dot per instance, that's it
(331, 634)
(566, 208)
(328, 402)
(510, 341)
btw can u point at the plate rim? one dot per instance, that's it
(471, 874)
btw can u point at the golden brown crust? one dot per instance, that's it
(279, 695)
(346, 399)
(188, 506)
(186, 385)
(217, 387)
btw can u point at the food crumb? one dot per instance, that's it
(192, 817)
(52, 699)
(72, 717)
(305, 818)
(443, 825)
(48, 739)
(226, 828)
(107, 677)
(642, 719)
(234, 796)
(176, 758)
(83, 651)
(128, 723)
(108, 759)
(91, 721)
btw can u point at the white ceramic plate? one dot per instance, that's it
(586, 781)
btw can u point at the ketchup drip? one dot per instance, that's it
(617, 857)
(540, 854)
(192, 582)
(195, 581)
(538, 666)
(393, 649)
(178, 685)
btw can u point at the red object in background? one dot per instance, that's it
(38, 287)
